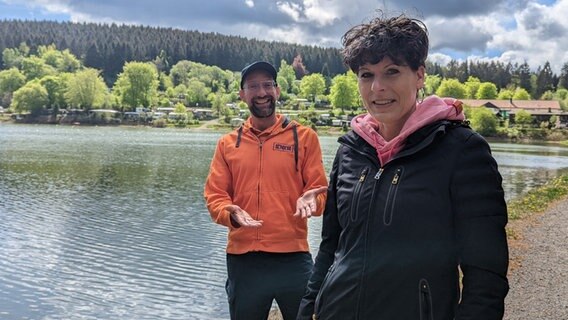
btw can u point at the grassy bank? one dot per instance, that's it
(539, 199)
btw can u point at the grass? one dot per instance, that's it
(539, 199)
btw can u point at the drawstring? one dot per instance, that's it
(239, 136)
(295, 130)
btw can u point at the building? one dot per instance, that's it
(540, 110)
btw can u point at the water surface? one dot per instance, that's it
(110, 223)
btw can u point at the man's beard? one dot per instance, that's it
(263, 112)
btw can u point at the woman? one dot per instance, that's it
(414, 197)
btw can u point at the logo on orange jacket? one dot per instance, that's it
(283, 147)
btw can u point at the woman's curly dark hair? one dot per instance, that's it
(404, 40)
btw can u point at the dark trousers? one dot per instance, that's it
(257, 278)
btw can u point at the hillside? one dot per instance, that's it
(108, 46)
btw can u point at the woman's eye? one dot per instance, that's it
(366, 75)
(392, 71)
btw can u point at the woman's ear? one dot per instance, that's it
(420, 74)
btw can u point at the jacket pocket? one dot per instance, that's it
(319, 300)
(357, 193)
(425, 300)
(391, 197)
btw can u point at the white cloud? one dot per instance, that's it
(322, 12)
(293, 10)
(523, 31)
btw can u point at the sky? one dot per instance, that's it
(514, 31)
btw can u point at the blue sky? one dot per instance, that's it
(534, 31)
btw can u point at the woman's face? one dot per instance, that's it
(389, 90)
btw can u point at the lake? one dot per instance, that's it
(110, 222)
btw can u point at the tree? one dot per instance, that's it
(299, 67)
(197, 93)
(472, 87)
(457, 70)
(483, 121)
(505, 94)
(312, 85)
(432, 83)
(521, 94)
(86, 89)
(55, 91)
(487, 90)
(68, 62)
(11, 80)
(12, 57)
(287, 72)
(180, 72)
(343, 92)
(451, 88)
(35, 68)
(523, 118)
(544, 80)
(563, 79)
(137, 85)
(32, 97)
(218, 103)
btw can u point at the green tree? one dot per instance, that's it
(523, 118)
(287, 72)
(55, 90)
(484, 121)
(561, 94)
(521, 94)
(547, 95)
(472, 87)
(11, 80)
(505, 94)
(487, 90)
(451, 88)
(431, 84)
(35, 68)
(218, 102)
(343, 92)
(563, 79)
(32, 97)
(12, 57)
(197, 93)
(544, 80)
(137, 85)
(312, 85)
(85, 89)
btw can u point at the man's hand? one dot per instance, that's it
(307, 203)
(242, 218)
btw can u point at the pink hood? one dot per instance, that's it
(430, 110)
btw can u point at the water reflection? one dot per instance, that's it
(109, 223)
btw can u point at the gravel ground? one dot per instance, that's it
(538, 276)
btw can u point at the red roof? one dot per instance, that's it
(534, 105)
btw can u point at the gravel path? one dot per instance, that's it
(538, 276)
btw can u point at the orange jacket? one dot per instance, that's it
(260, 175)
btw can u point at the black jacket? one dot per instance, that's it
(393, 237)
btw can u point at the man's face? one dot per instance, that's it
(260, 94)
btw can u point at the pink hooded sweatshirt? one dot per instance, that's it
(430, 110)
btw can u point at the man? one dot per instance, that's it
(266, 178)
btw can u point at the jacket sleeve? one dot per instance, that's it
(313, 172)
(331, 230)
(218, 187)
(480, 219)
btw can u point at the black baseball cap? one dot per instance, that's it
(255, 66)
